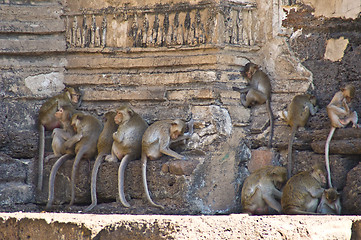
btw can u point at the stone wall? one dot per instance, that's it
(168, 59)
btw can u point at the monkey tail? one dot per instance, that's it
(53, 172)
(144, 174)
(93, 188)
(41, 157)
(121, 171)
(327, 160)
(290, 143)
(269, 110)
(78, 157)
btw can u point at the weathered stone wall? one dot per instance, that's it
(170, 59)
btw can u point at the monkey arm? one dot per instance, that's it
(169, 152)
(277, 193)
(273, 203)
(316, 192)
(73, 140)
(313, 109)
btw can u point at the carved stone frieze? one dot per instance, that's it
(163, 26)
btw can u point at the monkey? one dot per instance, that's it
(127, 143)
(340, 116)
(302, 191)
(330, 202)
(47, 121)
(261, 188)
(104, 147)
(259, 91)
(88, 129)
(156, 141)
(60, 135)
(297, 114)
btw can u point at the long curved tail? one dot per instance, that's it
(121, 172)
(145, 184)
(270, 114)
(53, 172)
(327, 160)
(290, 143)
(41, 157)
(93, 185)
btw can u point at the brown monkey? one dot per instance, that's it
(127, 143)
(261, 188)
(47, 121)
(297, 114)
(340, 116)
(330, 202)
(60, 135)
(259, 91)
(88, 129)
(104, 147)
(302, 191)
(156, 141)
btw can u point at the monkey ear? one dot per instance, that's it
(80, 117)
(130, 112)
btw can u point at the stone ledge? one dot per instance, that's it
(236, 226)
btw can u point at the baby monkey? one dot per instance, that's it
(330, 202)
(340, 116)
(297, 114)
(261, 189)
(259, 91)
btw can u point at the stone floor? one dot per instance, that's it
(40, 226)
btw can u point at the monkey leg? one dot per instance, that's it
(353, 117)
(272, 203)
(93, 185)
(290, 143)
(254, 96)
(327, 160)
(172, 153)
(78, 157)
(121, 171)
(53, 172)
(145, 184)
(41, 157)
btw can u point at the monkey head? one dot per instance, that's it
(249, 70)
(108, 116)
(63, 112)
(319, 173)
(177, 129)
(123, 114)
(278, 176)
(348, 92)
(73, 94)
(331, 195)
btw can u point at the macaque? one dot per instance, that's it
(297, 114)
(330, 202)
(156, 141)
(104, 147)
(261, 189)
(88, 129)
(302, 191)
(340, 116)
(48, 121)
(259, 91)
(60, 135)
(127, 143)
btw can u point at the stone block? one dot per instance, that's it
(351, 201)
(36, 44)
(260, 158)
(181, 95)
(12, 169)
(347, 147)
(16, 193)
(25, 144)
(155, 95)
(180, 167)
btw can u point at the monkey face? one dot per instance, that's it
(75, 98)
(59, 113)
(118, 119)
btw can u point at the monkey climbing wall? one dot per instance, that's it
(166, 59)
